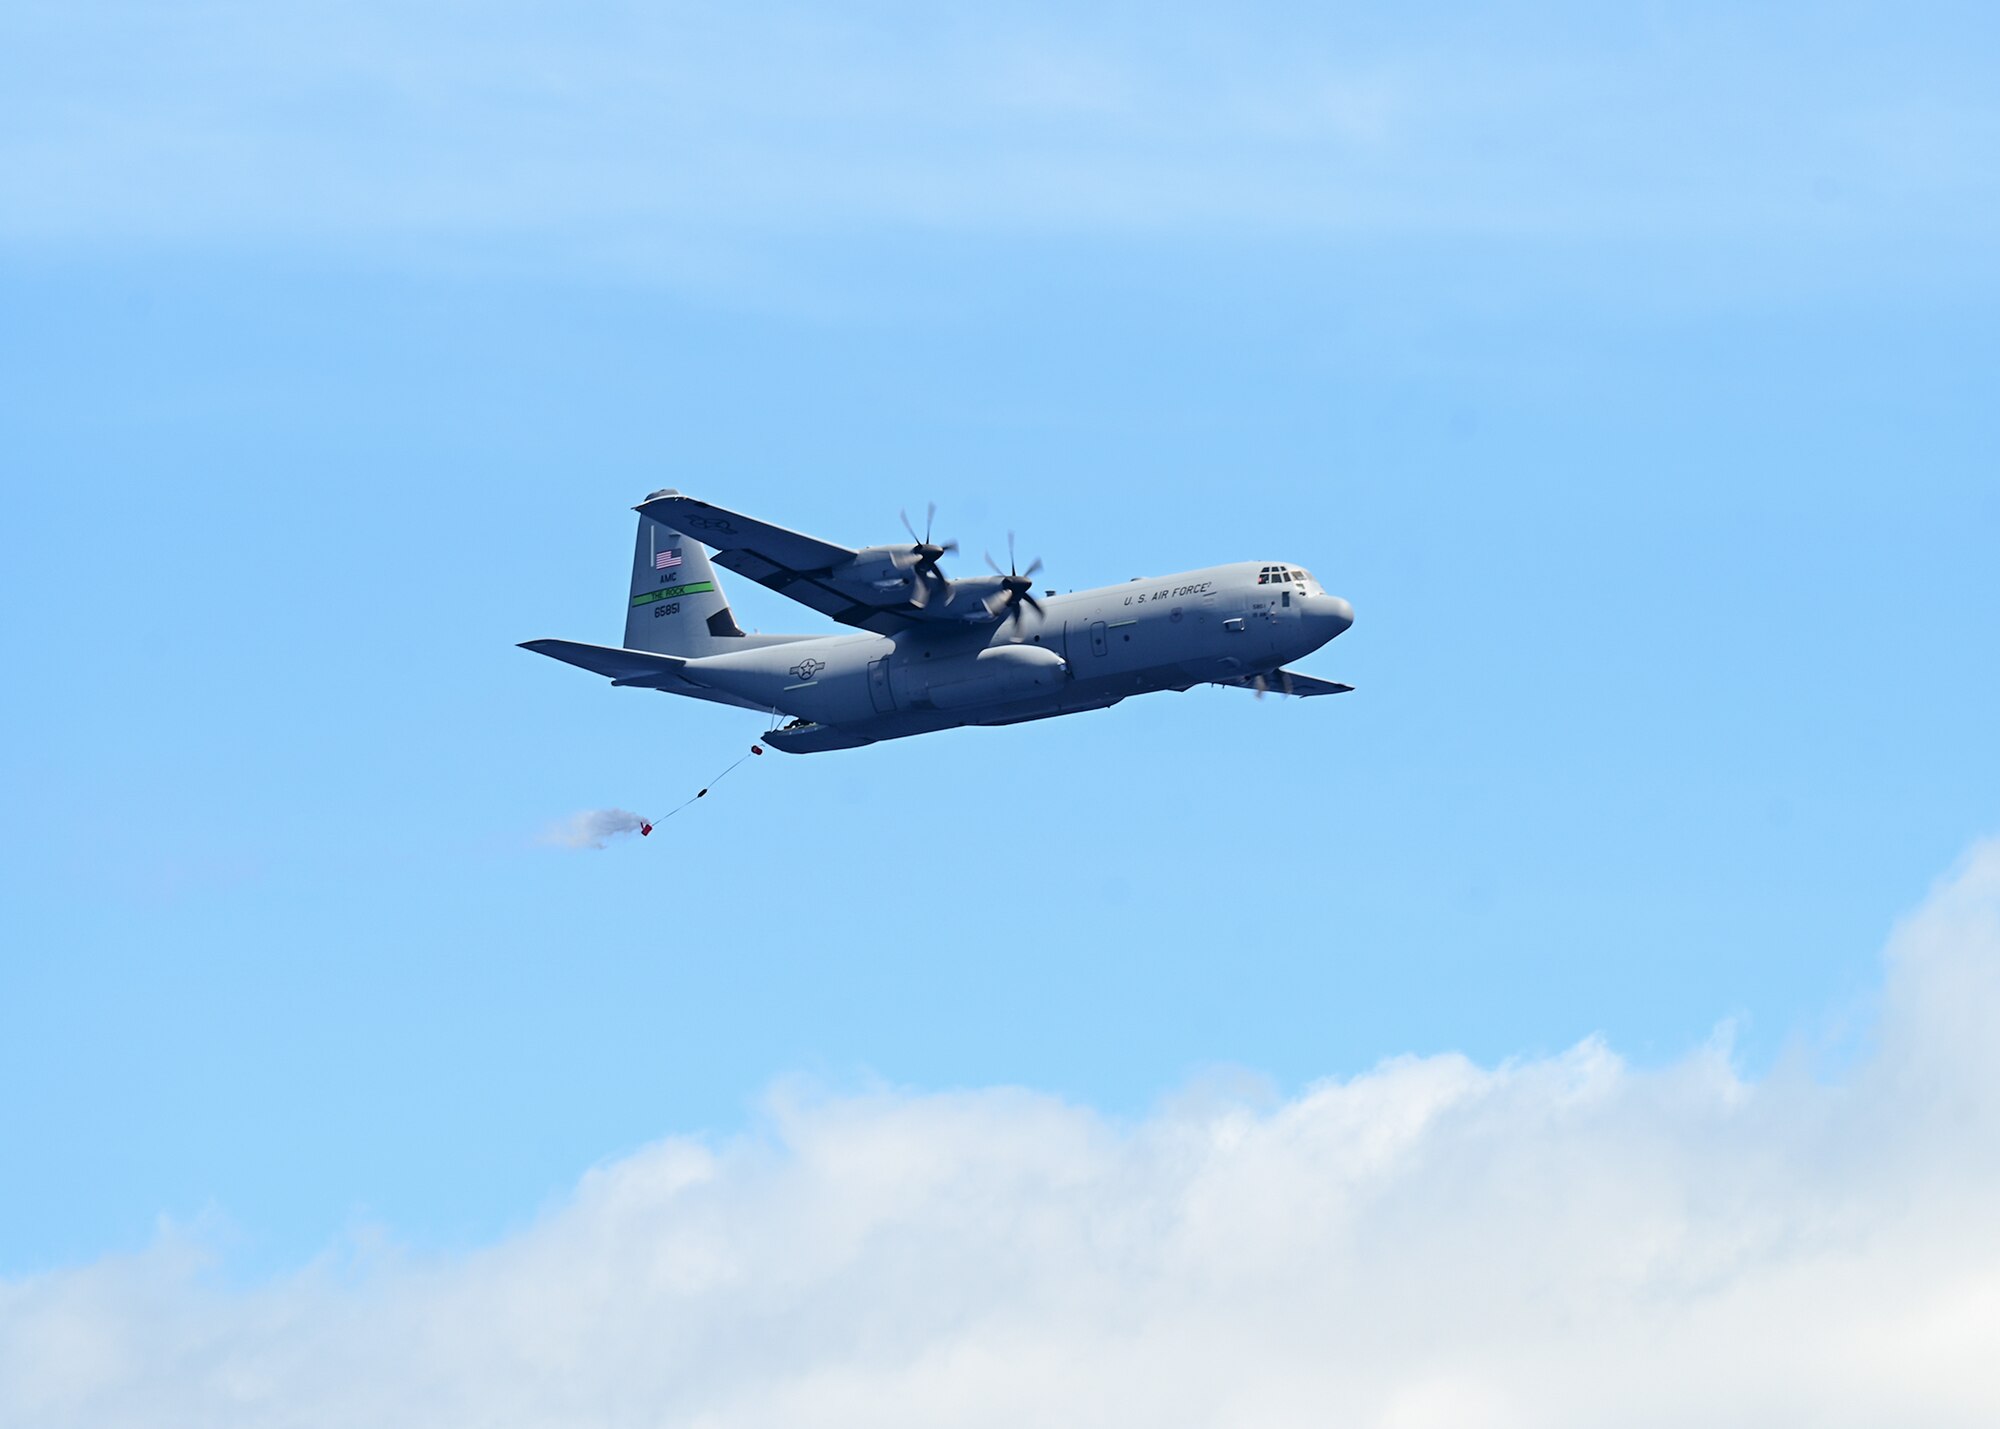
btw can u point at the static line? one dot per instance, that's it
(702, 793)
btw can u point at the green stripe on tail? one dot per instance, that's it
(670, 592)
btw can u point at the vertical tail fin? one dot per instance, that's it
(676, 607)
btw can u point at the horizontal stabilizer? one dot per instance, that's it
(625, 667)
(1289, 682)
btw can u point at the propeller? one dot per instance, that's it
(927, 554)
(1262, 683)
(1015, 586)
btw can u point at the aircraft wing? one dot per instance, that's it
(833, 580)
(1289, 682)
(733, 531)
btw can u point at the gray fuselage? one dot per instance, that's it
(1085, 650)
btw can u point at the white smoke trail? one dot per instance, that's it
(591, 827)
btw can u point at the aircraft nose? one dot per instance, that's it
(1336, 612)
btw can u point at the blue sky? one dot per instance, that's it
(1632, 374)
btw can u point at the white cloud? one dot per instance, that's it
(1560, 1241)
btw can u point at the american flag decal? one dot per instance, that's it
(667, 560)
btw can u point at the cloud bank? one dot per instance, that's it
(1563, 1241)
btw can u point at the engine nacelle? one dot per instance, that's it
(996, 675)
(878, 575)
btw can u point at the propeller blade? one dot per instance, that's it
(930, 515)
(1014, 584)
(907, 526)
(949, 548)
(1019, 602)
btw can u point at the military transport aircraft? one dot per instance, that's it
(930, 652)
